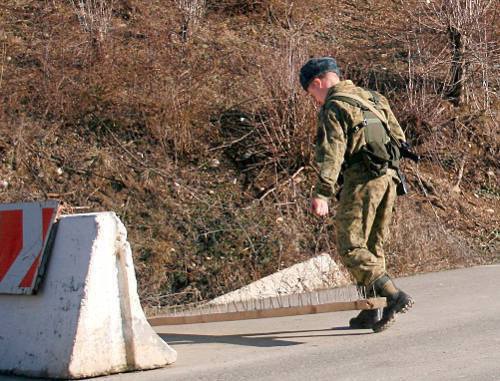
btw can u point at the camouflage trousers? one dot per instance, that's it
(363, 217)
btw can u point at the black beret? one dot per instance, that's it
(315, 67)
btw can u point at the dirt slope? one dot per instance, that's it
(186, 119)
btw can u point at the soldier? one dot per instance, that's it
(358, 133)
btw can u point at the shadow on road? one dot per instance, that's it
(264, 339)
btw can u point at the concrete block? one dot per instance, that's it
(86, 319)
(314, 274)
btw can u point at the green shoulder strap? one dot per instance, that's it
(347, 96)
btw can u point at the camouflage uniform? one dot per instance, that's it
(366, 201)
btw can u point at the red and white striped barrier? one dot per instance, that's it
(86, 319)
(24, 232)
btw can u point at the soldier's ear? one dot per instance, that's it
(315, 84)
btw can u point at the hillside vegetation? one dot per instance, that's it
(186, 118)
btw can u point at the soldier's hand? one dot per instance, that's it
(319, 207)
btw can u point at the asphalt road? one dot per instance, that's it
(452, 333)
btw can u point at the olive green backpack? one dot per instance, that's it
(382, 147)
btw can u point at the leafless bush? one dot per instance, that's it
(469, 48)
(170, 122)
(94, 16)
(284, 122)
(421, 108)
(422, 245)
(192, 12)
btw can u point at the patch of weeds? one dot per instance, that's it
(178, 281)
(145, 254)
(489, 192)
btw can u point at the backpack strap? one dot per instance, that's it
(357, 101)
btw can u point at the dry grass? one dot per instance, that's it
(187, 119)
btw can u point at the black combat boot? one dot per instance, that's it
(366, 318)
(397, 302)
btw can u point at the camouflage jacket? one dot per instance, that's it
(334, 140)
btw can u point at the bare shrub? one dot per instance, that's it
(420, 108)
(418, 245)
(94, 17)
(170, 121)
(273, 135)
(192, 11)
(287, 124)
(469, 48)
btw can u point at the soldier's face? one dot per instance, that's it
(318, 90)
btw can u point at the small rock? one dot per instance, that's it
(59, 171)
(279, 220)
(490, 211)
(4, 184)
(214, 163)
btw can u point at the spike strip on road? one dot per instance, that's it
(363, 304)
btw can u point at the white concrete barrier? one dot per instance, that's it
(86, 319)
(314, 274)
